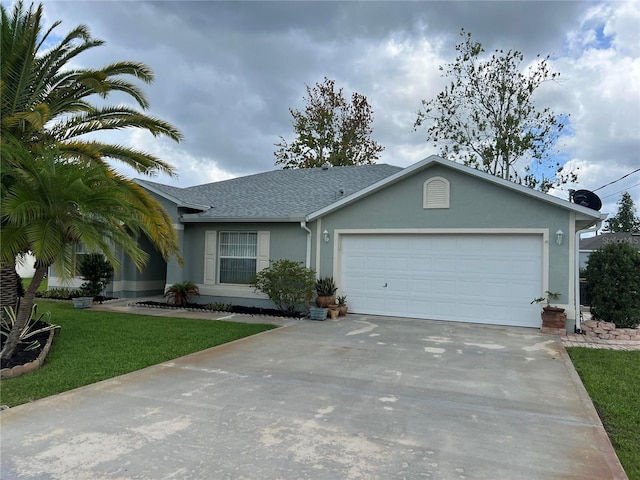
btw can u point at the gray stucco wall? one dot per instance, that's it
(474, 203)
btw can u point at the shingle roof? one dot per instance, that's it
(279, 194)
(594, 243)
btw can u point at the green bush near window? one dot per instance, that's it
(290, 285)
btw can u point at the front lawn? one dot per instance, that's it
(93, 346)
(612, 379)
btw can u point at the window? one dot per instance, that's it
(238, 256)
(233, 258)
(436, 193)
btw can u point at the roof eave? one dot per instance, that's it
(195, 218)
(171, 198)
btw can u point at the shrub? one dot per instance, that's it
(613, 275)
(219, 307)
(288, 284)
(179, 293)
(59, 293)
(96, 270)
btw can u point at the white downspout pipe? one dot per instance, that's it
(577, 271)
(303, 225)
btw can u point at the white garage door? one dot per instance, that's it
(467, 278)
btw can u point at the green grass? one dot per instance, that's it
(612, 379)
(93, 346)
(43, 285)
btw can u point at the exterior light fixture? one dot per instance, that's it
(325, 236)
(559, 237)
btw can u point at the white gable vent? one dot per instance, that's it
(436, 193)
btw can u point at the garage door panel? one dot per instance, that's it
(470, 278)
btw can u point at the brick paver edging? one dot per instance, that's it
(588, 341)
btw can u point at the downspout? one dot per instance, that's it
(303, 225)
(577, 272)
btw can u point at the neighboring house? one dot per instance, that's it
(436, 240)
(25, 265)
(588, 245)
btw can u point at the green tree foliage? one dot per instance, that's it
(487, 119)
(330, 129)
(97, 272)
(47, 102)
(51, 205)
(49, 108)
(625, 220)
(613, 276)
(290, 285)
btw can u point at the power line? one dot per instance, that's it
(624, 176)
(628, 188)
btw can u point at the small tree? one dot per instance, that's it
(613, 276)
(330, 129)
(625, 220)
(290, 285)
(97, 272)
(179, 293)
(487, 119)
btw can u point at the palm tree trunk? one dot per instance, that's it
(24, 311)
(8, 287)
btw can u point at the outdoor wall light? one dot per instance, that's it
(559, 237)
(325, 236)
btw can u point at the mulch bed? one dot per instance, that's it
(20, 355)
(270, 312)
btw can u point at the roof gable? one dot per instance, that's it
(582, 212)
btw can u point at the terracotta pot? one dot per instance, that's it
(325, 301)
(334, 312)
(343, 310)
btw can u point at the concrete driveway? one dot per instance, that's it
(359, 398)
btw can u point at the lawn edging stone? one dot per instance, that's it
(31, 366)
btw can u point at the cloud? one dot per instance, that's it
(228, 72)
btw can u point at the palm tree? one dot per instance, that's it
(47, 104)
(52, 204)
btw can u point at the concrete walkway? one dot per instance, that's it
(357, 398)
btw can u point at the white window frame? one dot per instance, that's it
(212, 285)
(435, 193)
(221, 257)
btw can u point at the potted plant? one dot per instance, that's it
(325, 290)
(342, 303)
(334, 311)
(552, 317)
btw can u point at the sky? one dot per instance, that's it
(227, 73)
